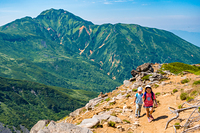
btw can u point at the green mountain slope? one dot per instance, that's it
(116, 49)
(24, 102)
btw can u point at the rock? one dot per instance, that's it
(94, 102)
(184, 77)
(102, 117)
(120, 96)
(127, 83)
(112, 101)
(157, 77)
(163, 83)
(145, 68)
(114, 119)
(132, 79)
(39, 125)
(75, 113)
(63, 128)
(188, 90)
(134, 73)
(89, 123)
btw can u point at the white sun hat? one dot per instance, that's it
(139, 88)
(147, 86)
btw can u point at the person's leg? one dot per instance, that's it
(151, 110)
(147, 110)
(136, 110)
(139, 112)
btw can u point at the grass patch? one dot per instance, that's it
(157, 93)
(134, 90)
(102, 101)
(179, 106)
(108, 99)
(199, 109)
(196, 82)
(177, 125)
(189, 98)
(194, 93)
(126, 121)
(178, 67)
(175, 90)
(98, 125)
(111, 124)
(183, 96)
(127, 96)
(156, 85)
(113, 114)
(146, 77)
(185, 81)
(112, 103)
(97, 105)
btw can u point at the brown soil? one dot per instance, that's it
(161, 113)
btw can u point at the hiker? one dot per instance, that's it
(138, 101)
(149, 98)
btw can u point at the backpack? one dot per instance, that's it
(152, 94)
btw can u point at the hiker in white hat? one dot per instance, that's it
(138, 101)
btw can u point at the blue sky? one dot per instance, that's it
(163, 14)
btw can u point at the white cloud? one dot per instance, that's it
(107, 3)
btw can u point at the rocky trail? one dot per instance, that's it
(114, 112)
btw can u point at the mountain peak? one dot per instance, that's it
(60, 14)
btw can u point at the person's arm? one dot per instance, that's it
(134, 100)
(155, 101)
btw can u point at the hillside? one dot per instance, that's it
(24, 102)
(114, 49)
(115, 112)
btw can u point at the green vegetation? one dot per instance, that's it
(146, 77)
(113, 114)
(112, 103)
(25, 102)
(157, 93)
(178, 67)
(126, 121)
(189, 99)
(183, 96)
(185, 81)
(175, 90)
(194, 93)
(107, 99)
(111, 124)
(199, 109)
(156, 86)
(196, 82)
(179, 106)
(134, 90)
(128, 95)
(177, 125)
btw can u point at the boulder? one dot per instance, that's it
(39, 125)
(102, 117)
(75, 113)
(94, 102)
(134, 73)
(127, 83)
(63, 128)
(145, 68)
(114, 119)
(89, 123)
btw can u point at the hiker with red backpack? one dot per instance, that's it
(149, 98)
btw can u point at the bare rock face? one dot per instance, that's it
(145, 68)
(89, 123)
(134, 73)
(94, 102)
(75, 113)
(39, 125)
(58, 128)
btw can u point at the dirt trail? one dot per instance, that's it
(161, 114)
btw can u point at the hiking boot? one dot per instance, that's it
(151, 117)
(149, 120)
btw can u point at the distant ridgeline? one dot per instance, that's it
(78, 54)
(25, 102)
(60, 49)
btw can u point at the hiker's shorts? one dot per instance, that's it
(148, 106)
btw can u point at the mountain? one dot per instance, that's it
(24, 103)
(192, 37)
(114, 49)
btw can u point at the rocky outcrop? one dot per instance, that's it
(52, 127)
(145, 68)
(94, 102)
(75, 113)
(39, 125)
